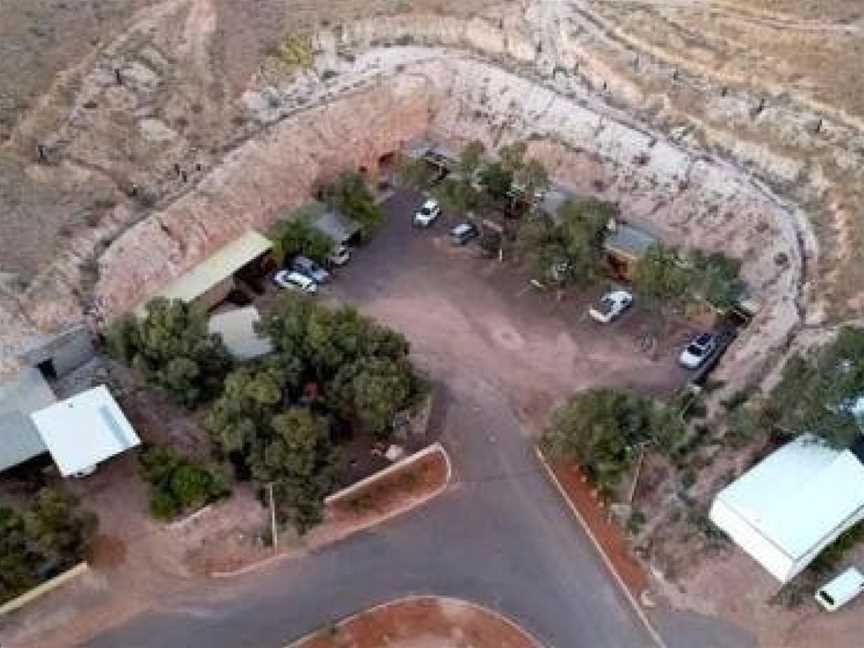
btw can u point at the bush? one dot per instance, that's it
(296, 236)
(178, 484)
(172, 349)
(48, 537)
(602, 429)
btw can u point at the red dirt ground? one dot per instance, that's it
(422, 623)
(608, 534)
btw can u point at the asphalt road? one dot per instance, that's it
(501, 536)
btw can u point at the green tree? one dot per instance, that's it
(531, 179)
(820, 392)
(471, 159)
(177, 483)
(48, 536)
(497, 180)
(661, 274)
(350, 195)
(302, 463)
(296, 236)
(716, 279)
(172, 349)
(602, 429)
(373, 391)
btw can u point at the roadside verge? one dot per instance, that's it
(398, 489)
(624, 570)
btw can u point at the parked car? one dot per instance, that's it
(295, 280)
(610, 306)
(463, 233)
(308, 267)
(340, 256)
(841, 589)
(698, 351)
(427, 214)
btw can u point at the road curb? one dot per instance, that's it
(435, 447)
(649, 627)
(500, 616)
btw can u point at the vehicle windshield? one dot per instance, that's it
(696, 350)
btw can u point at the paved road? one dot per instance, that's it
(501, 536)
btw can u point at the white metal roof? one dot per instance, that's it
(218, 266)
(792, 504)
(84, 430)
(237, 328)
(19, 397)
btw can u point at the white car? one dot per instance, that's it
(427, 214)
(295, 280)
(610, 306)
(698, 351)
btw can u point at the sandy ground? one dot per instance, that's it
(422, 623)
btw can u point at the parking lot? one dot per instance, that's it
(465, 314)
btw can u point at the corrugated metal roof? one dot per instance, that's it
(215, 268)
(84, 430)
(19, 397)
(629, 241)
(792, 502)
(336, 226)
(238, 333)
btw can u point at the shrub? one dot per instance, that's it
(179, 484)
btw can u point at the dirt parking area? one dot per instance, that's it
(422, 623)
(464, 313)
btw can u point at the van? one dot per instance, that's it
(841, 590)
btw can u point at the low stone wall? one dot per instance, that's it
(44, 588)
(399, 465)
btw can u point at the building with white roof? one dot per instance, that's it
(793, 504)
(237, 329)
(21, 395)
(83, 431)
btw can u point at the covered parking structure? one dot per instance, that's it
(210, 282)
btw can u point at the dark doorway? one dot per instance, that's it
(47, 369)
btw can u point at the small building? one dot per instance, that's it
(337, 227)
(237, 328)
(20, 396)
(60, 354)
(210, 282)
(85, 430)
(435, 154)
(793, 504)
(624, 246)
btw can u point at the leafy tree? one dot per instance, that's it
(47, 537)
(457, 195)
(350, 195)
(660, 274)
(716, 279)
(821, 392)
(497, 180)
(302, 463)
(471, 159)
(372, 390)
(417, 174)
(569, 251)
(172, 349)
(297, 236)
(532, 178)
(602, 429)
(179, 484)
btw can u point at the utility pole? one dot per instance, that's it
(273, 531)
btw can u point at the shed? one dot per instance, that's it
(24, 394)
(84, 430)
(62, 353)
(790, 506)
(209, 282)
(237, 328)
(625, 244)
(337, 227)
